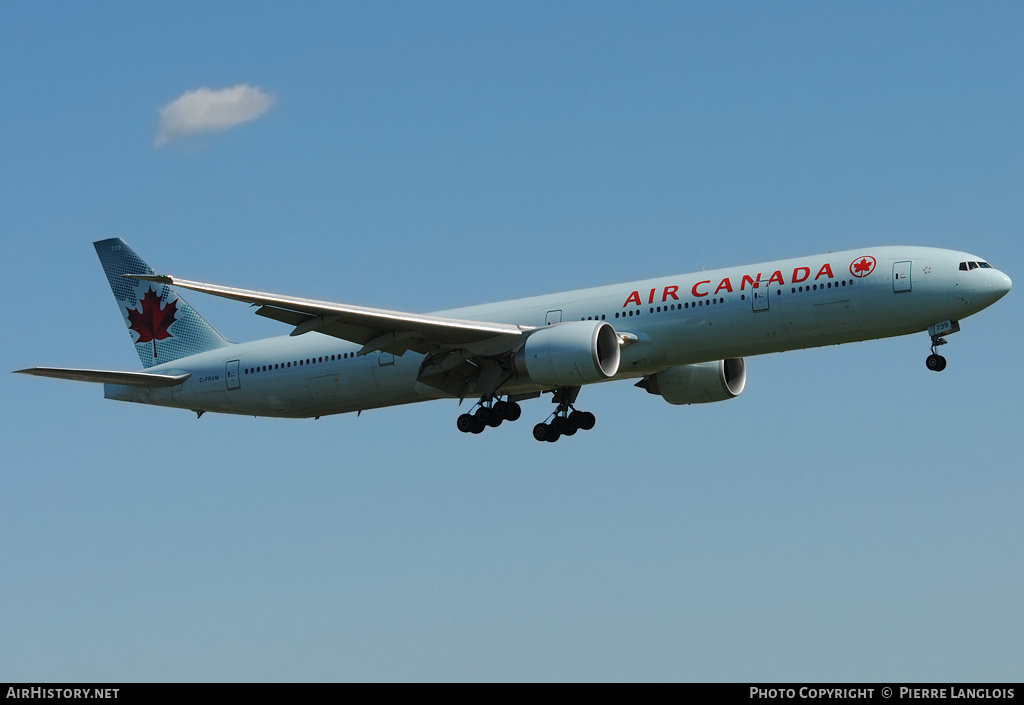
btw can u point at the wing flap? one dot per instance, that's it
(131, 379)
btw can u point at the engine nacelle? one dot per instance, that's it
(570, 354)
(699, 383)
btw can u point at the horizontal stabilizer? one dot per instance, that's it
(132, 379)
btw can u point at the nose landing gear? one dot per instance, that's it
(935, 362)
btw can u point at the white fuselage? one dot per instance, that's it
(727, 313)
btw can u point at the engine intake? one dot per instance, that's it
(569, 354)
(699, 383)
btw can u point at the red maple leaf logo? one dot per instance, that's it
(152, 322)
(862, 267)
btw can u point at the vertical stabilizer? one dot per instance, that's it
(163, 327)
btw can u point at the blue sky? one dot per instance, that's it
(850, 517)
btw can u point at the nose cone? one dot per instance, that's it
(1001, 285)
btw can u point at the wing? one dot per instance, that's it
(132, 379)
(375, 329)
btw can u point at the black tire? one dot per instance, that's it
(513, 411)
(559, 424)
(587, 421)
(541, 431)
(478, 425)
(936, 363)
(576, 419)
(484, 414)
(465, 423)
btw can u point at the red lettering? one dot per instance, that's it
(726, 284)
(651, 300)
(777, 277)
(825, 269)
(634, 297)
(754, 284)
(796, 275)
(670, 291)
(694, 289)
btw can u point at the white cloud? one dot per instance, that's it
(207, 110)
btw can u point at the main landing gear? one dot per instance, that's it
(491, 413)
(564, 423)
(566, 420)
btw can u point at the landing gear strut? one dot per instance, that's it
(491, 413)
(566, 420)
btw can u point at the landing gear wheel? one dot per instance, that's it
(587, 420)
(543, 432)
(513, 411)
(478, 425)
(488, 417)
(936, 363)
(465, 423)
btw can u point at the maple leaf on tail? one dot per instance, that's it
(152, 322)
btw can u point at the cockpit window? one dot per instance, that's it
(964, 266)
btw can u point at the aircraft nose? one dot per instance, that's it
(1001, 285)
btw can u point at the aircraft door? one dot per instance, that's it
(231, 375)
(760, 299)
(553, 317)
(901, 276)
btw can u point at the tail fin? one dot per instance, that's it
(163, 327)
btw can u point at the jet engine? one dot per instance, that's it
(699, 383)
(569, 354)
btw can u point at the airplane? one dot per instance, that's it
(683, 337)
